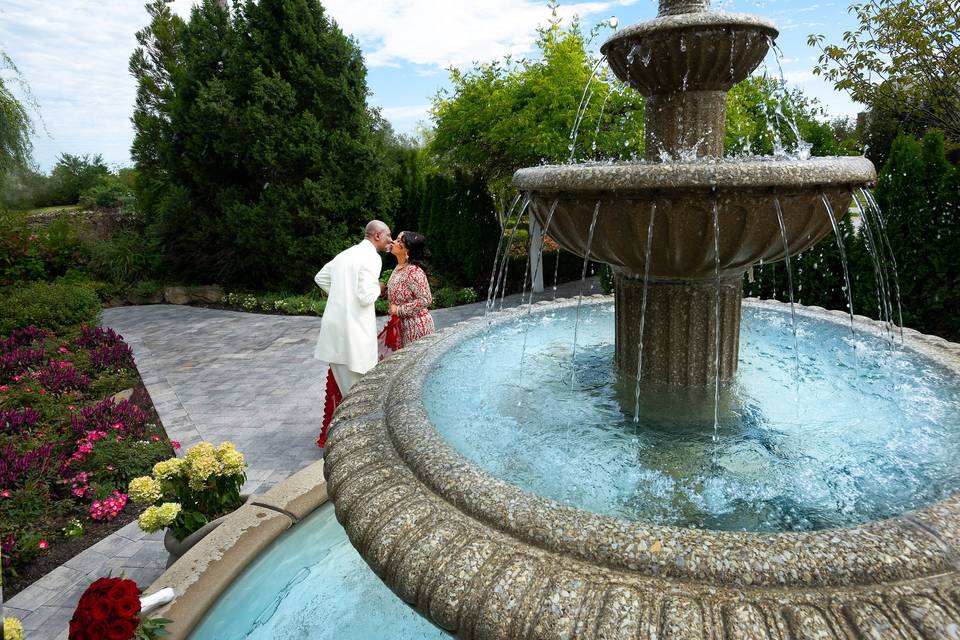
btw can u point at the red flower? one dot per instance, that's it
(122, 629)
(101, 609)
(175, 444)
(43, 544)
(5, 493)
(128, 607)
(123, 590)
(97, 630)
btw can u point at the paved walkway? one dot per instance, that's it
(213, 375)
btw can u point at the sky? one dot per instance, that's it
(73, 54)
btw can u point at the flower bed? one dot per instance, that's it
(69, 445)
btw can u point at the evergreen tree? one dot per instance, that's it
(270, 163)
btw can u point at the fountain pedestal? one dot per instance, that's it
(679, 329)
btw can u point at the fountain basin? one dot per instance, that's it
(684, 194)
(697, 51)
(484, 559)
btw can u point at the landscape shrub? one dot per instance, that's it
(127, 257)
(57, 307)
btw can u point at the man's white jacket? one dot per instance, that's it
(348, 331)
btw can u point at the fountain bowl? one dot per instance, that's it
(684, 193)
(698, 51)
(483, 559)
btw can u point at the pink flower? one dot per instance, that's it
(42, 392)
(109, 467)
(18, 378)
(108, 508)
(4, 387)
(117, 425)
(43, 544)
(71, 407)
(175, 443)
(5, 493)
(63, 349)
(155, 438)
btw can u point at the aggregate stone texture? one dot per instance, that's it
(483, 559)
(214, 375)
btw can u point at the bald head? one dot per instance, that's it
(378, 233)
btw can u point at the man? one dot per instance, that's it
(348, 330)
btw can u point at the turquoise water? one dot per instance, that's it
(849, 442)
(311, 583)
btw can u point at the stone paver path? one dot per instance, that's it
(213, 375)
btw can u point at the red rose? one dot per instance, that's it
(127, 607)
(123, 590)
(102, 610)
(122, 630)
(98, 630)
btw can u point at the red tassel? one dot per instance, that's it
(332, 401)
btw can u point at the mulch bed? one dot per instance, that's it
(93, 532)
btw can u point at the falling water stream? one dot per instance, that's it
(583, 277)
(643, 309)
(793, 311)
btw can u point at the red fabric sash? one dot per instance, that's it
(389, 341)
(330, 403)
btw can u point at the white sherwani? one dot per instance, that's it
(348, 330)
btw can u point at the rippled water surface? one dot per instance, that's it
(311, 583)
(850, 441)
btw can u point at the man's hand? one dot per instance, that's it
(383, 290)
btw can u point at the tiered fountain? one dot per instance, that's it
(483, 558)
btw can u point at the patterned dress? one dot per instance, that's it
(409, 290)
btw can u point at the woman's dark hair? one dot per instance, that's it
(416, 246)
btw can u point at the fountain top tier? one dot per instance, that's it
(688, 52)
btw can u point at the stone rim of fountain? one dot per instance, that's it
(439, 530)
(703, 175)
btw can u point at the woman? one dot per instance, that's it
(408, 290)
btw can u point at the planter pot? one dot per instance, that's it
(176, 548)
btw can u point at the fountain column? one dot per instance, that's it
(680, 328)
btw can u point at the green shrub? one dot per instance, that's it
(109, 192)
(57, 307)
(126, 258)
(103, 290)
(465, 295)
(444, 297)
(65, 244)
(606, 279)
(21, 258)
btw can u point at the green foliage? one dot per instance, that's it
(73, 175)
(125, 258)
(762, 111)
(15, 125)
(116, 463)
(919, 194)
(65, 244)
(49, 306)
(109, 192)
(510, 114)
(300, 305)
(606, 279)
(901, 58)
(21, 256)
(458, 222)
(257, 154)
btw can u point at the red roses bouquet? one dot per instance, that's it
(110, 610)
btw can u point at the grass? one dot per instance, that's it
(59, 208)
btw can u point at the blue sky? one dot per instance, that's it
(74, 53)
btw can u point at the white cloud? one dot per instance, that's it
(449, 33)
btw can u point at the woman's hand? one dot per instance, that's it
(392, 309)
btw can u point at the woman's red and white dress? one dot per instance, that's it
(409, 290)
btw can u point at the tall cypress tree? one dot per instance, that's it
(272, 161)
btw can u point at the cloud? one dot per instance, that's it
(798, 77)
(442, 33)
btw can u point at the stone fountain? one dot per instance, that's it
(482, 558)
(684, 62)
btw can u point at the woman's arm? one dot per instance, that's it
(416, 280)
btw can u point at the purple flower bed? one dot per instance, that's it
(14, 421)
(116, 356)
(23, 337)
(18, 361)
(106, 414)
(59, 380)
(16, 465)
